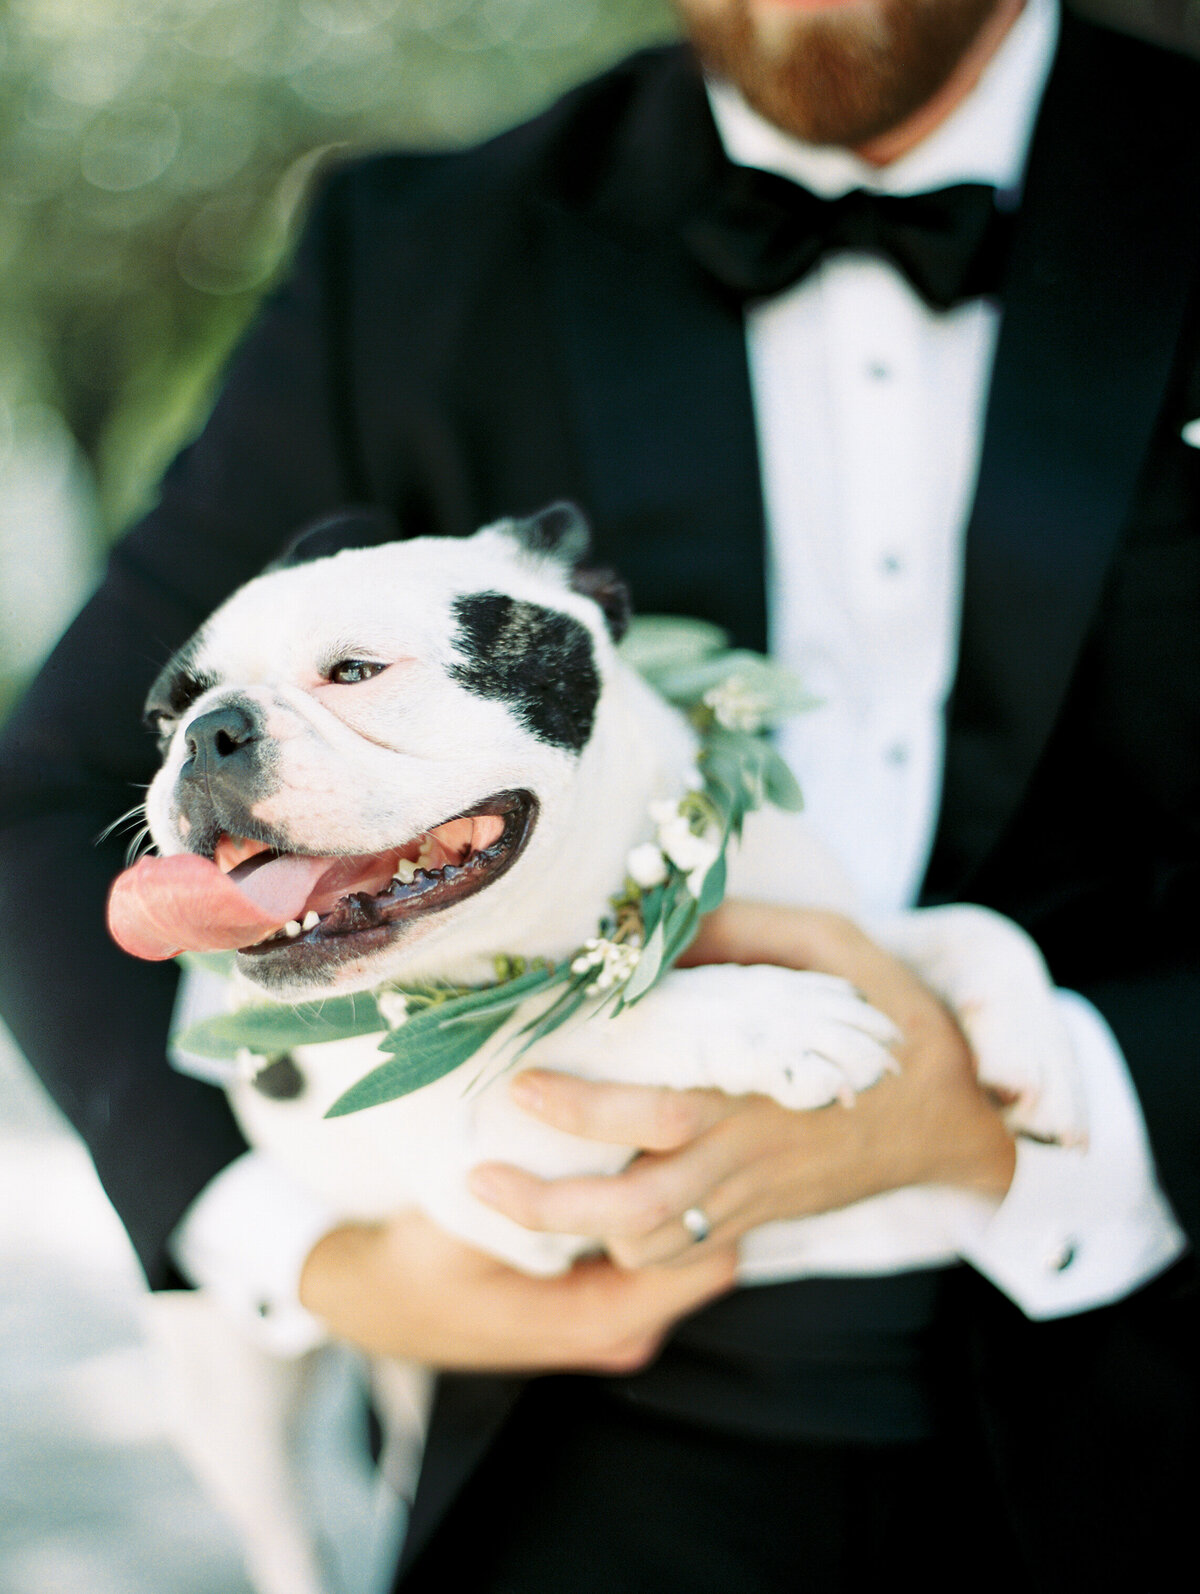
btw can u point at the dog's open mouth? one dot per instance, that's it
(301, 908)
(430, 872)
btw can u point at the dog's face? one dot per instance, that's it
(381, 746)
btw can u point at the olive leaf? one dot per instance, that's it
(422, 1051)
(275, 1027)
(648, 966)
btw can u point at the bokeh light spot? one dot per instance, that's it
(130, 146)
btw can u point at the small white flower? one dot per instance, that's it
(647, 866)
(664, 810)
(693, 780)
(737, 706)
(686, 850)
(394, 1007)
(613, 961)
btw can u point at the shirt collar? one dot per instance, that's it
(985, 140)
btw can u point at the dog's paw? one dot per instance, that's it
(994, 980)
(806, 1039)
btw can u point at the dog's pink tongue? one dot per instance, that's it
(163, 906)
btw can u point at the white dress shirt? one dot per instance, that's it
(870, 410)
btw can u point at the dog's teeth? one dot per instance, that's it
(292, 927)
(311, 919)
(405, 872)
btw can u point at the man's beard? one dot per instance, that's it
(842, 77)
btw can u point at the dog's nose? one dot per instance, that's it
(216, 736)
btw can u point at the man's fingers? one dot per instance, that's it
(651, 1192)
(673, 1244)
(646, 1116)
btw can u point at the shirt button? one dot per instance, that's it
(891, 564)
(897, 755)
(1062, 1255)
(878, 371)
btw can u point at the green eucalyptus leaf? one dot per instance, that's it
(682, 923)
(712, 892)
(275, 1028)
(422, 1051)
(723, 765)
(566, 1007)
(688, 681)
(780, 784)
(502, 998)
(648, 965)
(657, 643)
(652, 906)
(552, 1016)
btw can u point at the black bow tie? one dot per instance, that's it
(760, 233)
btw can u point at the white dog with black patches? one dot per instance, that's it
(395, 763)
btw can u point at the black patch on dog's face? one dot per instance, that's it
(537, 660)
(178, 686)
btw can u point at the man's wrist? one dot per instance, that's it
(337, 1257)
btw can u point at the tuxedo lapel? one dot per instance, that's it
(1103, 261)
(656, 378)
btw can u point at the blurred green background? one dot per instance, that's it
(154, 158)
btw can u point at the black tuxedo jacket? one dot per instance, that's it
(472, 335)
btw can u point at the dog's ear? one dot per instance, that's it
(559, 532)
(363, 526)
(605, 588)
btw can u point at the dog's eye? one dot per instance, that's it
(349, 672)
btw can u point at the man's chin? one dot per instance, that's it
(836, 72)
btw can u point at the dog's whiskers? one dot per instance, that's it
(138, 811)
(139, 845)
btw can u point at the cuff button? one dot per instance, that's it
(1061, 1257)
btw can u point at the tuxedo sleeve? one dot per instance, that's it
(1156, 1020)
(276, 453)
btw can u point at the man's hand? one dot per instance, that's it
(745, 1160)
(406, 1288)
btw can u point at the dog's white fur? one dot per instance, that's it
(364, 767)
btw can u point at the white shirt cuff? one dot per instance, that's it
(246, 1238)
(1083, 1226)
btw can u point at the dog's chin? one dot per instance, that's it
(361, 939)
